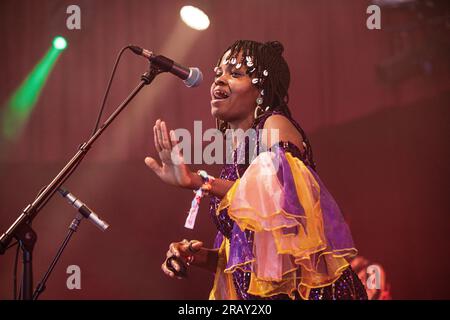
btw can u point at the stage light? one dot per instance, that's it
(194, 18)
(22, 101)
(59, 43)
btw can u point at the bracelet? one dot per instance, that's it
(207, 181)
(199, 194)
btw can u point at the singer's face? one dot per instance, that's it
(233, 95)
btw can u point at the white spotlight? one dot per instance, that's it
(194, 18)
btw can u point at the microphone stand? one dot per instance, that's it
(21, 229)
(72, 228)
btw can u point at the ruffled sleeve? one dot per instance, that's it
(301, 240)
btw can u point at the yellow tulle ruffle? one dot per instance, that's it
(285, 261)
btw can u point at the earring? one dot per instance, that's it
(258, 109)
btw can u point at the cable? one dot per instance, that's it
(12, 245)
(108, 87)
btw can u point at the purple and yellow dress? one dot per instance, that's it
(280, 235)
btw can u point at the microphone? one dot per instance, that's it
(83, 209)
(191, 77)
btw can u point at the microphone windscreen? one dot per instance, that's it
(195, 78)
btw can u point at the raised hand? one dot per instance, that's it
(172, 170)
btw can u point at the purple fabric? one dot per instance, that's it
(241, 249)
(291, 203)
(337, 231)
(218, 240)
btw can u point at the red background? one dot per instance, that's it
(381, 148)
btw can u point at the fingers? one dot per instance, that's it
(162, 136)
(178, 257)
(197, 245)
(165, 137)
(184, 248)
(173, 264)
(155, 137)
(174, 267)
(173, 138)
(166, 270)
(194, 246)
(174, 250)
(176, 154)
(153, 164)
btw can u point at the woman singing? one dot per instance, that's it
(280, 234)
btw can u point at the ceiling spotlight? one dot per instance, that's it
(194, 18)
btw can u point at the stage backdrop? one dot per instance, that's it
(373, 102)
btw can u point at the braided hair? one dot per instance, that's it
(268, 66)
(271, 69)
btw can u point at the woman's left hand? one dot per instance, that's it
(179, 257)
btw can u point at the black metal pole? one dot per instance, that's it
(27, 282)
(72, 228)
(21, 229)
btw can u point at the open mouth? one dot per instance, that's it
(219, 94)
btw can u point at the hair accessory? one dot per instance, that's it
(233, 60)
(259, 101)
(265, 73)
(238, 65)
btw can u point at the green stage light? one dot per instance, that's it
(24, 98)
(59, 43)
